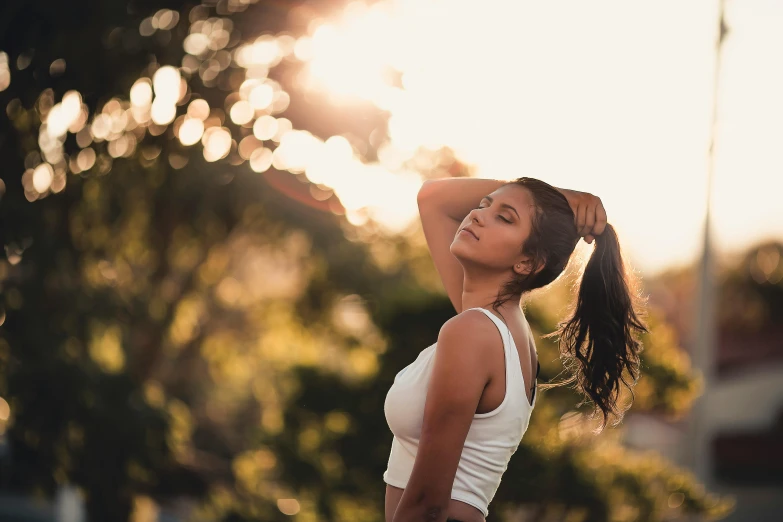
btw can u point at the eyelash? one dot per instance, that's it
(501, 217)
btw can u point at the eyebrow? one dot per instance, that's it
(502, 205)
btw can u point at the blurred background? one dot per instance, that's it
(213, 265)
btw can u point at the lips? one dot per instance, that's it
(469, 231)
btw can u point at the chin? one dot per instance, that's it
(461, 253)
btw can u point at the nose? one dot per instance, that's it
(474, 215)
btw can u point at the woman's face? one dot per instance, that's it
(502, 224)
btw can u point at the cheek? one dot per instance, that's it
(497, 247)
(508, 243)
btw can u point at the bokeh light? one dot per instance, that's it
(5, 72)
(42, 177)
(5, 410)
(217, 143)
(241, 112)
(86, 159)
(198, 109)
(141, 92)
(261, 159)
(265, 127)
(190, 131)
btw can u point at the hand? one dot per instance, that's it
(589, 213)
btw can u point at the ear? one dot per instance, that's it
(524, 265)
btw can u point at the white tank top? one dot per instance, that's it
(492, 438)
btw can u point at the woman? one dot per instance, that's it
(459, 411)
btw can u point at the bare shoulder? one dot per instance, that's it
(470, 330)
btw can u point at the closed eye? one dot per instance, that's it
(501, 217)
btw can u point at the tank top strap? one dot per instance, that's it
(513, 355)
(500, 324)
(505, 333)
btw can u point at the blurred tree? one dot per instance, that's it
(219, 334)
(750, 306)
(752, 289)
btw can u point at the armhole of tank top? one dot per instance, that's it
(506, 350)
(535, 382)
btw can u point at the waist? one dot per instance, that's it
(457, 511)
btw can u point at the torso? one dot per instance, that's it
(491, 398)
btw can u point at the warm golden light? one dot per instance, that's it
(261, 96)
(165, 19)
(42, 177)
(5, 410)
(264, 51)
(163, 111)
(124, 145)
(265, 127)
(57, 67)
(105, 347)
(247, 146)
(288, 506)
(481, 85)
(485, 86)
(141, 92)
(198, 109)
(196, 43)
(166, 82)
(190, 131)
(64, 114)
(284, 126)
(241, 112)
(86, 159)
(101, 126)
(217, 143)
(261, 159)
(5, 72)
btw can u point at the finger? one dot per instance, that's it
(589, 219)
(589, 239)
(580, 218)
(600, 220)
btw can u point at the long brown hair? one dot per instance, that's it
(597, 342)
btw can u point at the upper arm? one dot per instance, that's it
(439, 231)
(459, 375)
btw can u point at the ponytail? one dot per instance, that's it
(597, 342)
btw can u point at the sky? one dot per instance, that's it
(608, 97)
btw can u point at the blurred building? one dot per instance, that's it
(742, 416)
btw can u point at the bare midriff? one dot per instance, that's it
(459, 510)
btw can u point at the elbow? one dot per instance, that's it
(426, 199)
(434, 514)
(424, 191)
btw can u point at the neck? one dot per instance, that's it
(481, 292)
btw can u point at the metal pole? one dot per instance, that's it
(704, 342)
